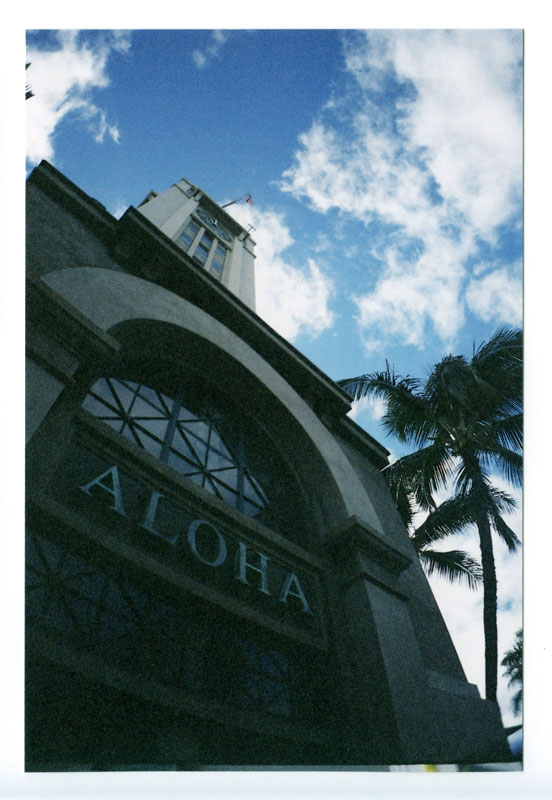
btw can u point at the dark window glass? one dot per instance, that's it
(203, 247)
(219, 257)
(135, 630)
(189, 233)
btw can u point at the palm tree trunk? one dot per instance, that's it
(480, 496)
(490, 627)
(489, 607)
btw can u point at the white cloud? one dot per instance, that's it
(62, 80)
(497, 297)
(375, 406)
(202, 58)
(292, 300)
(439, 167)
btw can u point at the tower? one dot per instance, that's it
(217, 575)
(209, 235)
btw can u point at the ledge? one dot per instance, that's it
(67, 326)
(355, 537)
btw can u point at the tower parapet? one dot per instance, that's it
(207, 233)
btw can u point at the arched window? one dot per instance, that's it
(206, 440)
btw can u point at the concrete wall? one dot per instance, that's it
(406, 698)
(108, 299)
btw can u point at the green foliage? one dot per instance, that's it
(513, 661)
(466, 420)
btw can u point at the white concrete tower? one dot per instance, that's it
(207, 233)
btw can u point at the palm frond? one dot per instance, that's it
(452, 565)
(509, 464)
(407, 414)
(507, 535)
(503, 351)
(513, 661)
(466, 473)
(448, 519)
(507, 432)
(502, 501)
(450, 384)
(422, 473)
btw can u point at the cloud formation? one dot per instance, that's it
(62, 80)
(424, 149)
(292, 300)
(375, 406)
(496, 297)
(202, 58)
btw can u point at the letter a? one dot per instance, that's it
(114, 490)
(299, 593)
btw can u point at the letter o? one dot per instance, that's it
(192, 530)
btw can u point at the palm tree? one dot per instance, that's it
(28, 91)
(513, 661)
(466, 419)
(447, 519)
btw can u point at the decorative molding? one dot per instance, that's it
(49, 312)
(356, 537)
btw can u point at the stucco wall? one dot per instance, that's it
(109, 298)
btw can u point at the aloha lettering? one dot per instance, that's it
(206, 543)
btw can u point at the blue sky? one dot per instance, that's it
(386, 172)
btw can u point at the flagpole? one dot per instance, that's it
(246, 197)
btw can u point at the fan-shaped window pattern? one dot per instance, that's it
(216, 449)
(133, 629)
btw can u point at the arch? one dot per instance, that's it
(115, 301)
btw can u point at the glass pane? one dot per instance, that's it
(149, 444)
(205, 440)
(217, 442)
(141, 408)
(189, 233)
(155, 427)
(184, 414)
(102, 389)
(219, 257)
(158, 400)
(132, 385)
(201, 254)
(273, 662)
(95, 406)
(114, 422)
(198, 448)
(183, 466)
(122, 604)
(250, 493)
(224, 492)
(123, 393)
(180, 445)
(198, 428)
(217, 461)
(227, 476)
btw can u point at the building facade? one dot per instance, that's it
(217, 575)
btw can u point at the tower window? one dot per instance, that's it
(203, 248)
(189, 233)
(202, 239)
(219, 257)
